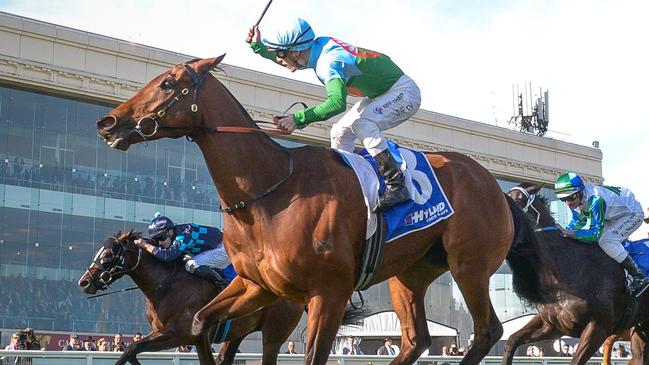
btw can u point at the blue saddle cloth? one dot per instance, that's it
(429, 204)
(639, 252)
(228, 273)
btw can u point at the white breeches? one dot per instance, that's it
(216, 258)
(368, 117)
(616, 232)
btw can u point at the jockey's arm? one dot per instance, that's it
(335, 104)
(261, 50)
(163, 254)
(596, 211)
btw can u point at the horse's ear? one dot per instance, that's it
(208, 64)
(130, 232)
(535, 188)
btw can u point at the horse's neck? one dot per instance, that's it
(545, 218)
(151, 274)
(242, 165)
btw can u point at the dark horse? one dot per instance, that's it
(581, 290)
(295, 219)
(173, 296)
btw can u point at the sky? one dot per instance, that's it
(465, 55)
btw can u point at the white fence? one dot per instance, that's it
(174, 358)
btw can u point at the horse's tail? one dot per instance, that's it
(527, 260)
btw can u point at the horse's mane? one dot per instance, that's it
(529, 263)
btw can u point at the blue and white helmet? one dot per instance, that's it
(159, 226)
(297, 36)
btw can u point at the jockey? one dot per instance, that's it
(389, 96)
(612, 213)
(203, 244)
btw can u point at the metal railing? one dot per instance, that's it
(176, 358)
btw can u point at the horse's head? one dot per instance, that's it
(165, 107)
(528, 197)
(117, 256)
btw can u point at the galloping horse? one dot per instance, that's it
(173, 296)
(295, 219)
(582, 292)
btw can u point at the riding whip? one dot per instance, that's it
(263, 13)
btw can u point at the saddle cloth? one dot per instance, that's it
(639, 252)
(429, 203)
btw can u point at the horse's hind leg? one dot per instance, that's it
(589, 341)
(535, 330)
(407, 291)
(154, 342)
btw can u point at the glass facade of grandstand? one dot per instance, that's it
(63, 191)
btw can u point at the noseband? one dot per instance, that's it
(197, 81)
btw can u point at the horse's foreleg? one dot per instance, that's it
(407, 292)
(639, 348)
(240, 298)
(277, 324)
(535, 330)
(324, 315)
(589, 341)
(204, 350)
(228, 351)
(151, 343)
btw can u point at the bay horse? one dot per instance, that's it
(173, 296)
(295, 219)
(581, 292)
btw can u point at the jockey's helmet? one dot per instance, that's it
(297, 36)
(568, 184)
(159, 226)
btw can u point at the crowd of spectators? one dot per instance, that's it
(85, 180)
(32, 302)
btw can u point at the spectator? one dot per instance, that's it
(388, 348)
(74, 344)
(291, 348)
(89, 345)
(102, 345)
(541, 352)
(118, 345)
(453, 350)
(14, 345)
(184, 348)
(621, 352)
(351, 347)
(445, 351)
(565, 350)
(32, 343)
(137, 337)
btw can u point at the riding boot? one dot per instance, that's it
(210, 274)
(640, 281)
(395, 186)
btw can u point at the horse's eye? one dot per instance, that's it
(167, 84)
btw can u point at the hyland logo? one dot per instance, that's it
(425, 215)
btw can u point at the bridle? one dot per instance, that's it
(530, 199)
(197, 81)
(111, 267)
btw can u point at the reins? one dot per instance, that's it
(197, 81)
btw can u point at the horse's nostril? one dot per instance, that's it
(84, 283)
(107, 122)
